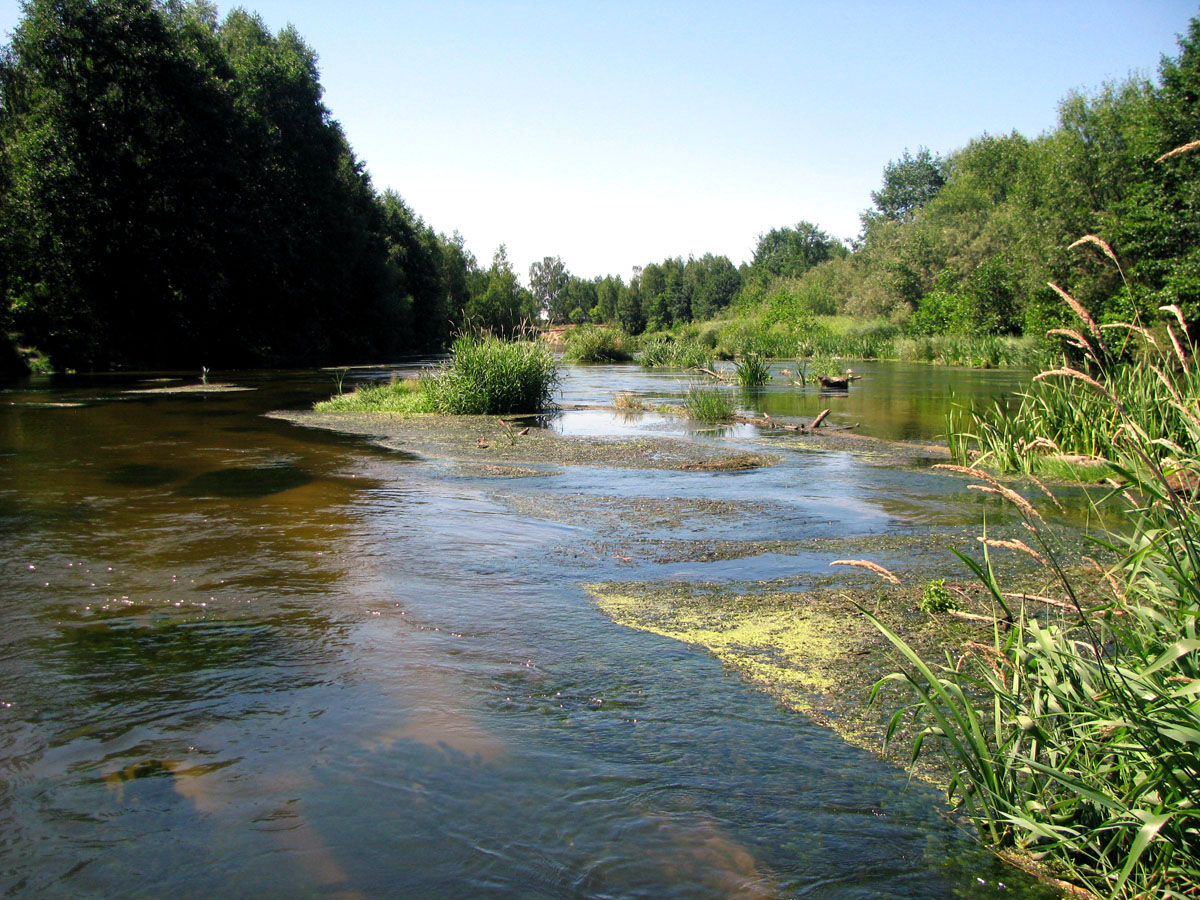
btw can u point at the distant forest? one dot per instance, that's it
(174, 194)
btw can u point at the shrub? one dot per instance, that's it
(709, 405)
(593, 343)
(488, 375)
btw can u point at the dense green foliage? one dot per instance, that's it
(1074, 735)
(965, 244)
(485, 375)
(173, 193)
(488, 375)
(709, 405)
(593, 343)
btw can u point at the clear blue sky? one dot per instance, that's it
(616, 133)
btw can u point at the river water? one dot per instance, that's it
(241, 658)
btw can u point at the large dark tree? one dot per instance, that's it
(174, 193)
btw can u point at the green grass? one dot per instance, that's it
(1087, 412)
(485, 375)
(407, 396)
(592, 343)
(709, 405)
(752, 370)
(488, 375)
(1074, 736)
(849, 338)
(664, 350)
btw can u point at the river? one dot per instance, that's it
(242, 658)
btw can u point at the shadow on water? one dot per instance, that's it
(259, 481)
(143, 475)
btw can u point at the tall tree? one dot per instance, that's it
(908, 184)
(790, 252)
(549, 281)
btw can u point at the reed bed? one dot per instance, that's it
(709, 405)
(593, 343)
(1087, 413)
(1073, 738)
(665, 351)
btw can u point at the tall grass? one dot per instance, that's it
(709, 405)
(752, 370)
(592, 343)
(1087, 412)
(667, 351)
(488, 375)
(986, 351)
(1075, 737)
(485, 375)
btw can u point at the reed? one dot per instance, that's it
(1073, 737)
(709, 405)
(487, 375)
(593, 343)
(752, 370)
(667, 351)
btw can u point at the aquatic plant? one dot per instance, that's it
(487, 375)
(936, 597)
(593, 343)
(665, 351)
(752, 370)
(1076, 415)
(709, 405)
(628, 400)
(1073, 736)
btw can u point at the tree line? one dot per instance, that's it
(969, 242)
(174, 193)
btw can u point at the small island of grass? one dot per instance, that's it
(485, 375)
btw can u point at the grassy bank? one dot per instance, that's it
(1074, 739)
(697, 344)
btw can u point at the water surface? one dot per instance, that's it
(246, 659)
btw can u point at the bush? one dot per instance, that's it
(592, 343)
(709, 405)
(487, 375)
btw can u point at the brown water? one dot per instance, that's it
(245, 659)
